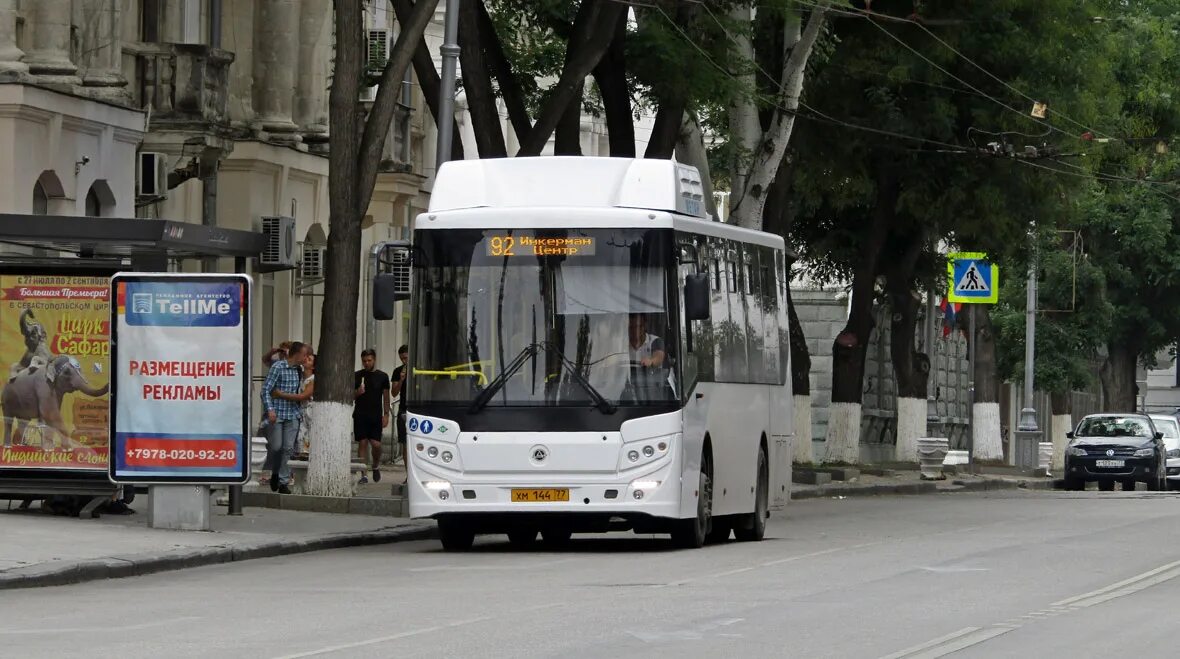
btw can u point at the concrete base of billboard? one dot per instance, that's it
(180, 507)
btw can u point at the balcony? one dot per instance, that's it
(185, 87)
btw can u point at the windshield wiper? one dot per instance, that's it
(500, 380)
(600, 401)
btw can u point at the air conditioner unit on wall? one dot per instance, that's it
(279, 253)
(312, 263)
(151, 175)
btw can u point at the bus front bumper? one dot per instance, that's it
(655, 494)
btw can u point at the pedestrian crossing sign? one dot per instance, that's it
(973, 278)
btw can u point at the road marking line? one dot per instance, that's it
(94, 630)
(1116, 586)
(957, 641)
(929, 644)
(383, 639)
(1140, 585)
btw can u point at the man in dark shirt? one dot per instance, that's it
(370, 413)
(399, 390)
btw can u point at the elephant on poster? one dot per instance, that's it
(39, 395)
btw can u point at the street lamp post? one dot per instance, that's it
(446, 101)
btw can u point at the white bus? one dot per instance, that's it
(589, 352)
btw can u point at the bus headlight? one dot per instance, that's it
(645, 485)
(447, 457)
(432, 452)
(633, 455)
(436, 485)
(648, 451)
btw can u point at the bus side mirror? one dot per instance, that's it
(388, 288)
(696, 297)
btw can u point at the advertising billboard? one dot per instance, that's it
(181, 378)
(54, 356)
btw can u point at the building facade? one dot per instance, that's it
(204, 111)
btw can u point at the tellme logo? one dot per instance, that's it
(141, 303)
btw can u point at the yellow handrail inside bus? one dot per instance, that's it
(454, 374)
(469, 365)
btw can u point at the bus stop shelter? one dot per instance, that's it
(39, 253)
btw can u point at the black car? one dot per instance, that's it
(1110, 448)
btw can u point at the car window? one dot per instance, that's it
(1168, 427)
(1114, 426)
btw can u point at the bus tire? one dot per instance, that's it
(455, 535)
(692, 533)
(753, 526)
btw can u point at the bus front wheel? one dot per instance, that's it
(455, 535)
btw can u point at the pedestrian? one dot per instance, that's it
(302, 445)
(272, 356)
(398, 389)
(283, 414)
(370, 412)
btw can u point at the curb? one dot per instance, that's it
(134, 565)
(922, 487)
(378, 506)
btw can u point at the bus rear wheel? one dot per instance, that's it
(692, 533)
(455, 535)
(753, 526)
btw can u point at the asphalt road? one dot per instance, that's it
(1004, 574)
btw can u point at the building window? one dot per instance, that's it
(40, 200)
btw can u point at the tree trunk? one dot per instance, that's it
(518, 113)
(611, 76)
(1059, 424)
(850, 347)
(1118, 377)
(768, 154)
(911, 369)
(985, 427)
(331, 443)
(353, 159)
(477, 84)
(568, 136)
(800, 383)
(428, 77)
(665, 129)
(592, 33)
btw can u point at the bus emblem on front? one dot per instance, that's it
(540, 453)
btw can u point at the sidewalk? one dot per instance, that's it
(38, 549)
(910, 482)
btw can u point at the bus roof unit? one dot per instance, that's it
(565, 181)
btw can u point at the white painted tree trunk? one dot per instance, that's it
(330, 427)
(801, 416)
(911, 426)
(843, 439)
(748, 198)
(1059, 424)
(989, 445)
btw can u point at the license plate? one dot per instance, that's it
(540, 496)
(1110, 463)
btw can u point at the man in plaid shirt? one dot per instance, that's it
(283, 415)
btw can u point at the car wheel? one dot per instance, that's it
(1107, 486)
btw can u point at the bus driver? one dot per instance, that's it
(647, 350)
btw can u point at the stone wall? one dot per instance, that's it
(822, 313)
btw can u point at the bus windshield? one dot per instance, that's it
(591, 300)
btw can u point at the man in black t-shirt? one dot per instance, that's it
(399, 390)
(370, 413)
